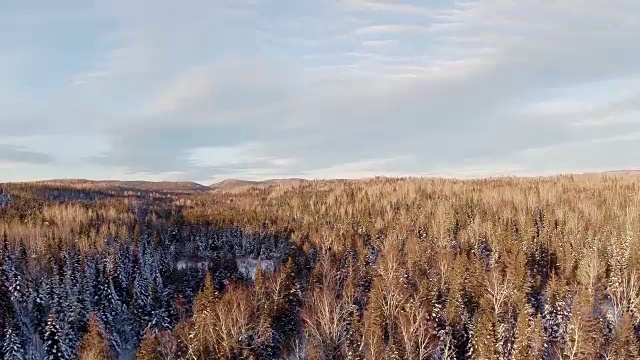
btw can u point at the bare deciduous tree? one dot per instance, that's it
(325, 318)
(418, 337)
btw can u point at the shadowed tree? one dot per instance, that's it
(149, 348)
(94, 344)
(54, 347)
(12, 348)
(202, 335)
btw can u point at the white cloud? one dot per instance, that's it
(391, 29)
(387, 6)
(8, 165)
(220, 156)
(377, 44)
(251, 154)
(187, 89)
(283, 162)
(84, 78)
(364, 168)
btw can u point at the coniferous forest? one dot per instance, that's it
(505, 268)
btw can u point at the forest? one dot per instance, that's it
(382, 268)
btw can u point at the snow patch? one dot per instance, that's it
(5, 199)
(248, 266)
(184, 264)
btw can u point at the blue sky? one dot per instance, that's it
(205, 90)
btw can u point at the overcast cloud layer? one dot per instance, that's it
(210, 89)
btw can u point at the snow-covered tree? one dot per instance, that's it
(54, 346)
(141, 303)
(110, 310)
(159, 319)
(12, 349)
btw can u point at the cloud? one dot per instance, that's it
(458, 104)
(391, 29)
(81, 79)
(219, 90)
(392, 166)
(339, 88)
(188, 89)
(16, 155)
(221, 156)
(386, 6)
(375, 44)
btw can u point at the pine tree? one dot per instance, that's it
(75, 311)
(38, 308)
(259, 288)
(484, 336)
(94, 345)
(288, 300)
(581, 329)
(54, 347)
(17, 287)
(625, 343)
(57, 297)
(124, 268)
(110, 310)
(141, 303)
(149, 348)
(555, 318)
(205, 300)
(12, 348)
(6, 307)
(263, 305)
(354, 336)
(181, 335)
(160, 314)
(201, 337)
(18, 316)
(529, 335)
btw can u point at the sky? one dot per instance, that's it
(206, 90)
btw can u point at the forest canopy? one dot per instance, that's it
(504, 268)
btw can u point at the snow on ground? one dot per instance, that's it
(4, 200)
(248, 266)
(183, 264)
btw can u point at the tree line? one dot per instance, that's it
(542, 268)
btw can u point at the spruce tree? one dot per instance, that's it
(201, 336)
(12, 348)
(141, 304)
(285, 321)
(354, 335)
(38, 308)
(110, 310)
(54, 346)
(529, 334)
(94, 345)
(205, 300)
(484, 336)
(625, 342)
(6, 307)
(149, 348)
(160, 314)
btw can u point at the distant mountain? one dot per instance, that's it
(159, 186)
(164, 186)
(232, 184)
(226, 185)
